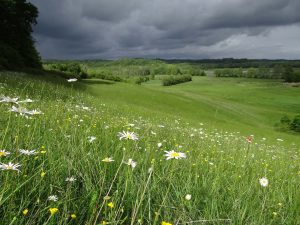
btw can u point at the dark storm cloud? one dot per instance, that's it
(167, 28)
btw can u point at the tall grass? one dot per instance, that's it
(221, 171)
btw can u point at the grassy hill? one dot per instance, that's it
(79, 168)
(249, 106)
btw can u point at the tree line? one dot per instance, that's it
(287, 73)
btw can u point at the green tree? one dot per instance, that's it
(16, 43)
(289, 74)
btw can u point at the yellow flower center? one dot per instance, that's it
(106, 160)
(2, 154)
(175, 154)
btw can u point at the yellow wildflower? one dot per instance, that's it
(43, 174)
(165, 223)
(53, 211)
(25, 212)
(73, 216)
(110, 205)
(104, 222)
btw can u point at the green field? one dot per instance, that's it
(67, 178)
(250, 106)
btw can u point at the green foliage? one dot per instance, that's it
(236, 72)
(290, 75)
(172, 80)
(141, 79)
(73, 69)
(16, 44)
(295, 124)
(286, 124)
(196, 72)
(276, 72)
(236, 63)
(105, 75)
(126, 68)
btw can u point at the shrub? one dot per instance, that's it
(197, 72)
(286, 124)
(290, 75)
(295, 124)
(172, 80)
(106, 76)
(141, 79)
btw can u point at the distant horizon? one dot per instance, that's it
(180, 59)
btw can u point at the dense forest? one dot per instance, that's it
(16, 43)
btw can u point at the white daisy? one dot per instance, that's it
(131, 163)
(72, 80)
(150, 170)
(4, 153)
(71, 179)
(27, 152)
(264, 182)
(9, 100)
(128, 135)
(34, 112)
(91, 139)
(53, 198)
(188, 197)
(174, 155)
(20, 110)
(108, 160)
(28, 100)
(153, 133)
(10, 166)
(159, 145)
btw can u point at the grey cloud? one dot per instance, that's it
(108, 10)
(162, 28)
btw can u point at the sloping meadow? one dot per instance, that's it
(68, 158)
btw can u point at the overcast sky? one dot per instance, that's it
(86, 29)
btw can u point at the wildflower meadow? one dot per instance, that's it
(69, 157)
